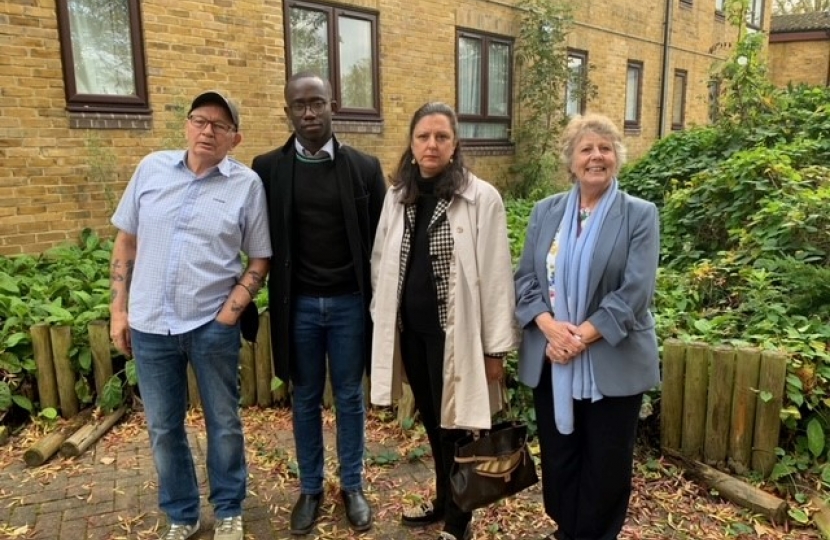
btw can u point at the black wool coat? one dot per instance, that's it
(362, 189)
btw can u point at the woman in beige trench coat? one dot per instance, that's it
(443, 299)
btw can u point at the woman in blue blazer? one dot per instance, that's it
(584, 285)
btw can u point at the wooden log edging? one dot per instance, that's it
(40, 452)
(772, 379)
(735, 490)
(99, 344)
(747, 363)
(722, 405)
(61, 337)
(47, 384)
(82, 439)
(695, 400)
(719, 407)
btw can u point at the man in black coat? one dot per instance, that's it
(324, 202)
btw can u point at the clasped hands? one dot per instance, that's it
(564, 340)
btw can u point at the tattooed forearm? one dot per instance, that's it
(130, 266)
(113, 294)
(236, 307)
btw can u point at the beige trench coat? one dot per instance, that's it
(479, 309)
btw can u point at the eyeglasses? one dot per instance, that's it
(316, 107)
(219, 128)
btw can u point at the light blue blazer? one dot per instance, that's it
(620, 288)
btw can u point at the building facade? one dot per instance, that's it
(88, 87)
(799, 49)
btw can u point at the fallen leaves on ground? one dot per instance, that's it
(665, 505)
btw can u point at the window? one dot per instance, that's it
(576, 89)
(719, 6)
(484, 87)
(103, 56)
(633, 91)
(755, 14)
(678, 115)
(340, 45)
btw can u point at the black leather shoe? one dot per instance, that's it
(305, 513)
(357, 509)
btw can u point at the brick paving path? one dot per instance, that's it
(109, 493)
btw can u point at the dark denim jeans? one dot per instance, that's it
(161, 362)
(330, 327)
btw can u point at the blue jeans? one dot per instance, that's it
(161, 363)
(332, 327)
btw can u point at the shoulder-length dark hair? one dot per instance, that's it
(451, 180)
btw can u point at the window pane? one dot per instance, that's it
(469, 76)
(754, 15)
(632, 91)
(478, 130)
(498, 79)
(719, 5)
(357, 84)
(678, 95)
(309, 42)
(573, 99)
(102, 47)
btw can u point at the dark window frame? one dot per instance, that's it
(750, 20)
(334, 12)
(485, 118)
(583, 99)
(634, 124)
(97, 103)
(683, 75)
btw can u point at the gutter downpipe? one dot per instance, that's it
(664, 85)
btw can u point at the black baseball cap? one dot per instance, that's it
(216, 98)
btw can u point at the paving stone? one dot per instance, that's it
(74, 529)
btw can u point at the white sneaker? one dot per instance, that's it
(228, 529)
(181, 531)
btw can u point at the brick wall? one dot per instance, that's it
(49, 187)
(797, 62)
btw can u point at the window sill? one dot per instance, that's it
(100, 120)
(374, 127)
(634, 131)
(472, 148)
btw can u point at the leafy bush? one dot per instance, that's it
(67, 285)
(745, 246)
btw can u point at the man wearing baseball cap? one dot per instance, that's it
(178, 290)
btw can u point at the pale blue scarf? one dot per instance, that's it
(575, 380)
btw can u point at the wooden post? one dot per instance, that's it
(262, 363)
(47, 385)
(4, 435)
(694, 400)
(247, 375)
(719, 409)
(772, 378)
(743, 408)
(87, 435)
(99, 343)
(42, 450)
(194, 399)
(671, 397)
(61, 337)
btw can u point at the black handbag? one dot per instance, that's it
(492, 466)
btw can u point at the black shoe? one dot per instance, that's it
(357, 509)
(421, 516)
(305, 512)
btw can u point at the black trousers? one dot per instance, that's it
(586, 476)
(423, 361)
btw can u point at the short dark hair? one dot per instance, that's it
(307, 75)
(453, 178)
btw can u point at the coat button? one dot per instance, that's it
(459, 229)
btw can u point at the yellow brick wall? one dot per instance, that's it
(797, 62)
(47, 193)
